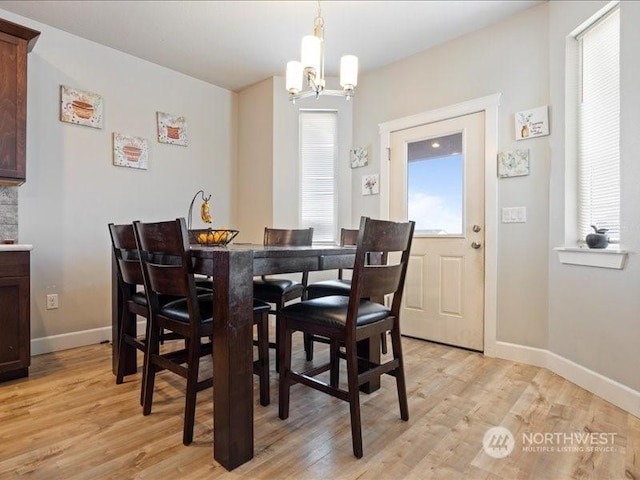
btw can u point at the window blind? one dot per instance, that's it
(318, 151)
(599, 127)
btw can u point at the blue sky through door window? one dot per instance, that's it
(435, 185)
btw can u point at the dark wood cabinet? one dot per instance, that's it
(15, 42)
(15, 332)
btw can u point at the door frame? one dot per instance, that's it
(489, 105)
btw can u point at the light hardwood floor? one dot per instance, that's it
(69, 420)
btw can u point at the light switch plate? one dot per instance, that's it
(514, 214)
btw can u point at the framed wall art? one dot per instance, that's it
(128, 151)
(370, 184)
(532, 123)
(172, 129)
(80, 107)
(359, 157)
(513, 163)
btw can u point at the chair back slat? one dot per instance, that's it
(347, 237)
(288, 237)
(125, 252)
(387, 237)
(379, 280)
(168, 279)
(167, 265)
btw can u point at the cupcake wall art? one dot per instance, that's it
(172, 129)
(80, 107)
(132, 152)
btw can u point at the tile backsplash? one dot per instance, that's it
(9, 213)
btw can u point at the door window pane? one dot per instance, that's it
(435, 182)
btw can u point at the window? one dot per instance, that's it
(318, 151)
(598, 128)
(435, 185)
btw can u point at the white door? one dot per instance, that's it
(436, 178)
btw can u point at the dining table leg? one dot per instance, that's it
(232, 357)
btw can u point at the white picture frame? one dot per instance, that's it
(532, 123)
(359, 157)
(513, 163)
(370, 184)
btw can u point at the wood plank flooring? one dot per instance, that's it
(69, 420)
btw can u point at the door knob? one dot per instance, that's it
(477, 228)
(476, 245)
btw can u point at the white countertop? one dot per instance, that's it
(16, 247)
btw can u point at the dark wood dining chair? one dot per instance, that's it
(337, 286)
(345, 321)
(125, 252)
(130, 280)
(167, 269)
(278, 291)
(325, 288)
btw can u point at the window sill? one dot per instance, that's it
(611, 257)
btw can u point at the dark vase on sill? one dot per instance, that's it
(598, 239)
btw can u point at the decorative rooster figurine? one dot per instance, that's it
(205, 210)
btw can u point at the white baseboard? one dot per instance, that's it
(596, 383)
(55, 343)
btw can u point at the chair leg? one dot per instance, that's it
(383, 343)
(153, 348)
(284, 340)
(308, 346)
(193, 363)
(401, 385)
(263, 357)
(124, 327)
(334, 358)
(147, 335)
(279, 307)
(354, 400)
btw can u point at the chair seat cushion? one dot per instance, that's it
(260, 306)
(326, 288)
(178, 309)
(204, 282)
(332, 311)
(277, 286)
(141, 299)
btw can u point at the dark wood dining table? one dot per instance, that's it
(232, 269)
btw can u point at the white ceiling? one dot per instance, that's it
(234, 44)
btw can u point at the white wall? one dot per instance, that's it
(581, 322)
(269, 157)
(255, 161)
(511, 58)
(594, 313)
(73, 191)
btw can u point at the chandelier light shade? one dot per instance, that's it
(310, 68)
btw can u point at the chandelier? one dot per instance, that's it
(311, 68)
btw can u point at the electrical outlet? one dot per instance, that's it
(52, 301)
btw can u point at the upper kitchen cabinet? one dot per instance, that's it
(15, 42)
